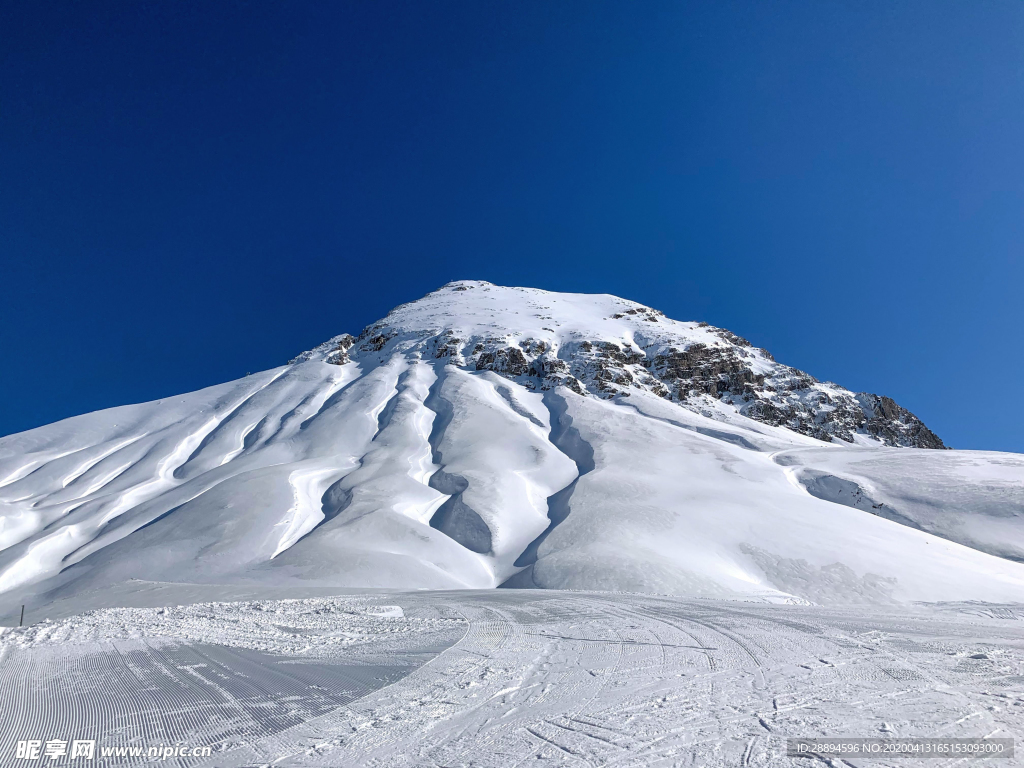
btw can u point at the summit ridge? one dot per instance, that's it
(609, 347)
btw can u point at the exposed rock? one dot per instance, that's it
(508, 361)
(333, 351)
(692, 364)
(894, 424)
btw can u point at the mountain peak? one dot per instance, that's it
(610, 347)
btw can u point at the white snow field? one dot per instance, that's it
(504, 678)
(702, 551)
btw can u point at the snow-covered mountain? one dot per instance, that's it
(610, 347)
(486, 435)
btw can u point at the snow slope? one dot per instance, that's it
(486, 435)
(514, 678)
(973, 497)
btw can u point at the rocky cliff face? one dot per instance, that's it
(608, 347)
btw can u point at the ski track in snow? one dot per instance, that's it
(509, 678)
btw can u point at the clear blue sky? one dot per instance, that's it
(192, 191)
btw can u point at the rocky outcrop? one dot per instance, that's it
(895, 425)
(692, 364)
(335, 351)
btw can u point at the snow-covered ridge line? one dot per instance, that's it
(611, 347)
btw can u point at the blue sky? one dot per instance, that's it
(194, 191)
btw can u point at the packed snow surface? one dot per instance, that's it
(486, 436)
(499, 678)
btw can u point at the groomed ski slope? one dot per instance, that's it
(407, 467)
(500, 678)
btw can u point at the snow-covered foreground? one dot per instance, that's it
(511, 678)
